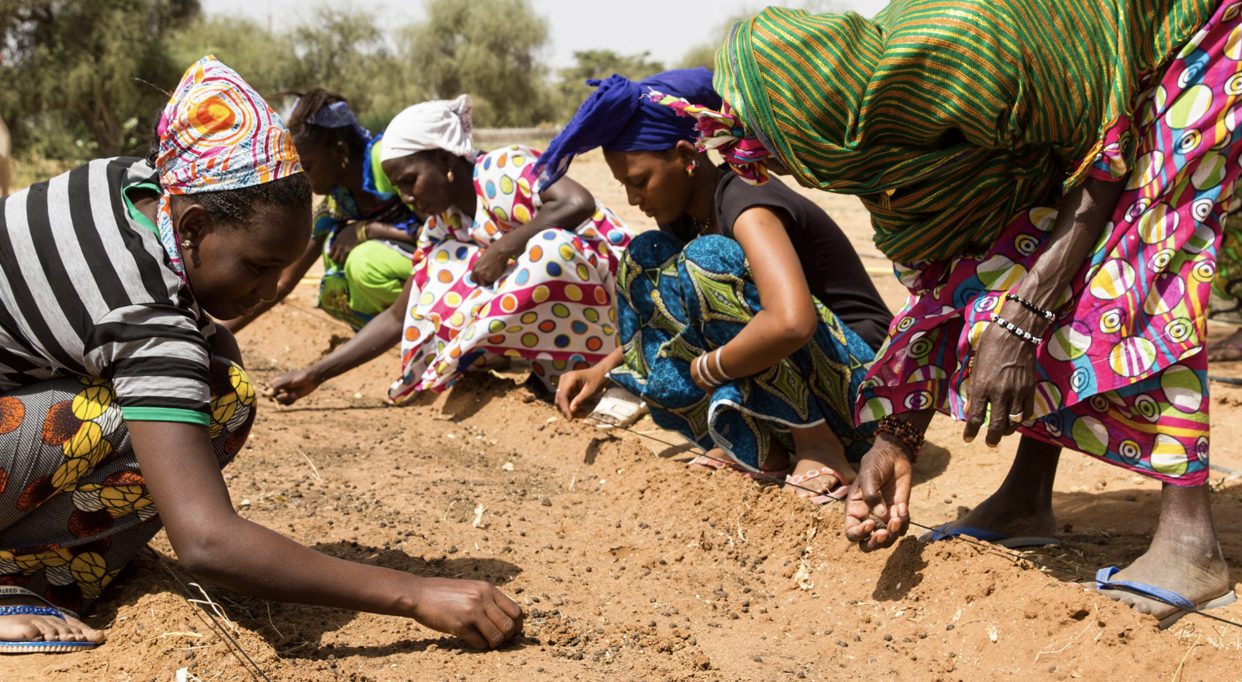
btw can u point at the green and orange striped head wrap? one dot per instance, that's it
(947, 118)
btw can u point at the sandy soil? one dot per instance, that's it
(632, 567)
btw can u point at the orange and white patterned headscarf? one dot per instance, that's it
(217, 133)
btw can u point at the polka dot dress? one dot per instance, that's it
(553, 305)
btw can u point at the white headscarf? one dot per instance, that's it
(431, 125)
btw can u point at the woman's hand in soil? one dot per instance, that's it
(290, 387)
(577, 387)
(472, 610)
(881, 490)
(1004, 378)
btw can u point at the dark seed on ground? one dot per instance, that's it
(888, 638)
(842, 644)
(950, 626)
(758, 659)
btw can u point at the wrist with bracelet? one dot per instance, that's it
(711, 369)
(1025, 335)
(360, 231)
(905, 432)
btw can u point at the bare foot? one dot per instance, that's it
(1022, 506)
(815, 448)
(29, 628)
(716, 458)
(1228, 349)
(1184, 556)
(1002, 513)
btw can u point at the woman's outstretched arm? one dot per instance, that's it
(214, 543)
(380, 334)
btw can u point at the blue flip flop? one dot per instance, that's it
(39, 647)
(1103, 581)
(49, 610)
(1006, 541)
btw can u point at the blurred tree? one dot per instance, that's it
(600, 64)
(88, 59)
(704, 54)
(267, 61)
(487, 48)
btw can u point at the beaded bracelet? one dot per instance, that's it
(1016, 330)
(1046, 314)
(905, 432)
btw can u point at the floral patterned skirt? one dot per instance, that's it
(1122, 375)
(677, 303)
(74, 508)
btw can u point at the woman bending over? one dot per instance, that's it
(503, 269)
(747, 320)
(120, 399)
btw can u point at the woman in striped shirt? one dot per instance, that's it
(119, 396)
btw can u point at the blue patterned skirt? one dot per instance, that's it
(676, 302)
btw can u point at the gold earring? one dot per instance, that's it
(344, 164)
(450, 175)
(186, 243)
(690, 168)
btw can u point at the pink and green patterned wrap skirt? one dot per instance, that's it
(1122, 375)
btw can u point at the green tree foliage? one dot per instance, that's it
(266, 61)
(339, 48)
(83, 65)
(704, 54)
(487, 48)
(600, 64)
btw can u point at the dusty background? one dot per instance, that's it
(632, 567)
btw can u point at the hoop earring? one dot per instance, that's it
(344, 164)
(691, 168)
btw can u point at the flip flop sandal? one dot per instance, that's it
(761, 475)
(1006, 541)
(36, 647)
(711, 463)
(624, 413)
(837, 493)
(1103, 581)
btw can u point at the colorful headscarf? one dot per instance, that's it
(441, 124)
(622, 116)
(947, 119)
(336, 115)
(725, 133)
(217, 133)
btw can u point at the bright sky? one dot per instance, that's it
(665, 28)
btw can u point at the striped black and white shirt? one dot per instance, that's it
(87, 290)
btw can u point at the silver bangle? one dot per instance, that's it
(705, 370)
(719, 367)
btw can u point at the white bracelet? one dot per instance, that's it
(719, 367)
(705, 371)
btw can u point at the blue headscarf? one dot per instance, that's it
(619, 117)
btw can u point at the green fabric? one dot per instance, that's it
(376, 274)
(948, 119)
(382, 183)
(134, 213)
(165, 414)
